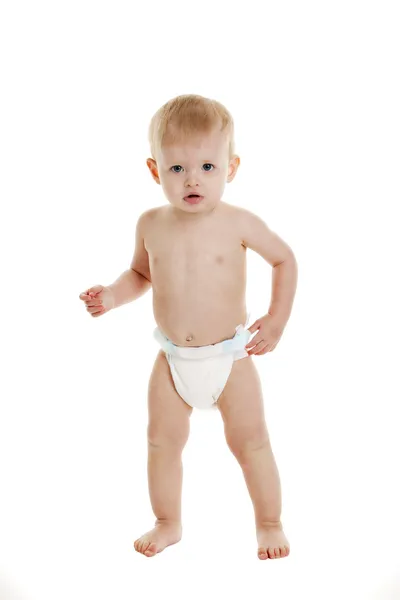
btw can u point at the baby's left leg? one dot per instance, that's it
(242, 409)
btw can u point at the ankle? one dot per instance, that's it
(172, 522)
(269, 525)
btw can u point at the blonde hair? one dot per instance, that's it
(188, 115)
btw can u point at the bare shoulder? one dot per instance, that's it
(256, 235)
(240, 218)
(230, 213)
(150, 214)
(237, 212)
(149, 218)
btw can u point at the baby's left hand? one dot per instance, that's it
(269, 334)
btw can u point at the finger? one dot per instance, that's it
(88, 297)
(94, 303)
(94, 309)
(89, 294)
(254, 327)
(252, 342)
(264, 350)
(257, 348)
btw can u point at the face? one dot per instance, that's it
(199, 166)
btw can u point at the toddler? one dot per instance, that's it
(192, 252)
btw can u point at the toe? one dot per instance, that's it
(271, 552)
(151, 550)
(277, 552)
(262, 554)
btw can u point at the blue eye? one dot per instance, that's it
(179, 166)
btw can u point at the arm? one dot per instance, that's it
(257, 236)
(136, 280)
(284, 283)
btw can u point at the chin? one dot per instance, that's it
(183, 205)
(202, 206)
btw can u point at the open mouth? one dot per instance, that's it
(193, 198)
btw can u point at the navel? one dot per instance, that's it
(189, 338)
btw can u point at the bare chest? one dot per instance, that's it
(198, 275)
(195, 256)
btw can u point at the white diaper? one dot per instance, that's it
(201, 372)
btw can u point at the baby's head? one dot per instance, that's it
(192, 147)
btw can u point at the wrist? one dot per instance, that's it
(112, 295)
(278, 319)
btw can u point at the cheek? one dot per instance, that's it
(171, 187)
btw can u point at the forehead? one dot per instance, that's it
(205, 145)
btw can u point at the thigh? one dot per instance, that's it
(169, 414)
(242, 408)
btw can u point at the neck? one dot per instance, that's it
(186, 217)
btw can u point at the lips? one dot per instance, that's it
(193, 198)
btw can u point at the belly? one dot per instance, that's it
(198, 311)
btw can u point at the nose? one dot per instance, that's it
(191, 183)
(191, 180)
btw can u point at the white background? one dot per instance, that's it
(314, 91)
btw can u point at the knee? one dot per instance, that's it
(244, 443)
(168, 439)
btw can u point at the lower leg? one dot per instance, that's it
(165, 487)
(263, 483)
(165, 472)
(262, 480)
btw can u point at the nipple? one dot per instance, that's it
(189, 338)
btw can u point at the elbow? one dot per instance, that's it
(289, 258)
(139, 273)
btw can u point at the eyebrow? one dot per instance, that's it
(172, 162)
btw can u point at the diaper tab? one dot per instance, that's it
(164, 342)
(238, 342)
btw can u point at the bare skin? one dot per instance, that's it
(197, 267)
(155, 540)
(203, 254)
(193, 254)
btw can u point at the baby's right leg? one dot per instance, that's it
(167, 434)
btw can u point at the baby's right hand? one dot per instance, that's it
(98, 300)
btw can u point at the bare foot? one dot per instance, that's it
(272, 542)
(164, 534)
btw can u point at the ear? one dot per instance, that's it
(151, 163)
(233, 167)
